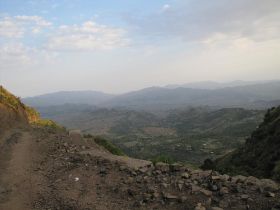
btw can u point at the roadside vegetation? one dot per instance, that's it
(260, 156)
(163, 158)
(106, 144)
(47, 124)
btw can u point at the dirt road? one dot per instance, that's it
(18, 181)
(43, 169)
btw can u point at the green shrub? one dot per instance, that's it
(15, 103)
(162, 158)
(108, 146)
(9, 99)
(276, 171)
(32, 114)
(48, 124)
(88, 135)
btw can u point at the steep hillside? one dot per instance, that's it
(13, 112)
(260, 156)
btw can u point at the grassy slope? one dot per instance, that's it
(260, 156)
(105, 144)
(10, 101)
(12, 106)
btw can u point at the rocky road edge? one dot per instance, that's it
(83, 176)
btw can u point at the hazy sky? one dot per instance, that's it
(121, 45)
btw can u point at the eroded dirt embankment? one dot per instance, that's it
(47, 169)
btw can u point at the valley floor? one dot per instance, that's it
(46, 169)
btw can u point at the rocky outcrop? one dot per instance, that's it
(160, 185)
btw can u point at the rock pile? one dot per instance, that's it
(152, 186)
(170, 184)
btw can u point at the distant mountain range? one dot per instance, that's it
(256, 95)
(211, 85)
(68, 97)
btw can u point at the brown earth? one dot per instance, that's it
(11, 118)
(49, 170)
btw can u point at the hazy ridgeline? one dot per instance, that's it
(187, 123)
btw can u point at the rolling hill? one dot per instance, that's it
(190, 135)
(248, 96)
(255, 96)
(211, 85)
(71, 97)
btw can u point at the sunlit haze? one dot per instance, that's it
(119, 46)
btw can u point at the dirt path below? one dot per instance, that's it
(17, 177)
(42, 169)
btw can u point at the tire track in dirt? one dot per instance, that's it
(17, 178)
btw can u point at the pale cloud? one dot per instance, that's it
(36, 30)
(17, 26)
(179, 42)
(37, 20)
(194, 20)
(10, 29)
(165, 7)
(87, 36)
(15, 54)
